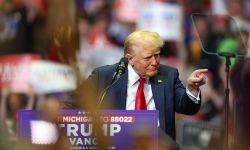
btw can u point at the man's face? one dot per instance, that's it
(145, 59)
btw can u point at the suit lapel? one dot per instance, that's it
(157, 84)
(119, 91)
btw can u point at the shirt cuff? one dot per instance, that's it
(192, 97)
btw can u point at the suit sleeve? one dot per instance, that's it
(183, 104)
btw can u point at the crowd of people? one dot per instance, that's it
(86, 34)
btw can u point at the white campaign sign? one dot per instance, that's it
(49, 77)
(162, 18)
(127, 10)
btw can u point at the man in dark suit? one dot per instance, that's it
(162, 89)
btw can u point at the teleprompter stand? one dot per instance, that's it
(227, 56)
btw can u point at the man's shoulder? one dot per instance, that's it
(107, 68)
(166, 72)
(166, 69)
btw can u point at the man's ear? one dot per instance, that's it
(129, 57)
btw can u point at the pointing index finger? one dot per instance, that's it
(199, 71)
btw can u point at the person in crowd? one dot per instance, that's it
(240, 88)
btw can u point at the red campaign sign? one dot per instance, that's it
(15, 71)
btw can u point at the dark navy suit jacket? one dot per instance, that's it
(168, 92)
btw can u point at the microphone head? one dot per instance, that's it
(120, 69)
(124, 61)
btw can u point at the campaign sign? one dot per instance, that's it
(123, 129)
(49, 77)
(162, 18)
(15, 71)
(127, 10)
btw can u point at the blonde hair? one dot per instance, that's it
(142, 35)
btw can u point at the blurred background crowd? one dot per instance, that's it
(85, 34)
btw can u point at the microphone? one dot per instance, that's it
(119, 71)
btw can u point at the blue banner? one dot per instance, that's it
(123, 129)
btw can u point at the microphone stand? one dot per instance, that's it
(103, 94)
(227, 55)
(104, 91)
(119, 71)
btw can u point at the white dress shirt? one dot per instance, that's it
(132, 86)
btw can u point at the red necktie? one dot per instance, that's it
(140, 101)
